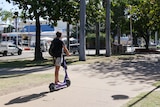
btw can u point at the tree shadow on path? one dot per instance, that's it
(142, 69)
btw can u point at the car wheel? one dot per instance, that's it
(19, 52)
(5, 53)
(74, 52)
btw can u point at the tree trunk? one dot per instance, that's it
(108, 45)
(38, 53)
(82, 47)
(147, 41)
(97, 38)
(119, 34)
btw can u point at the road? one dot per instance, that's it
(25, 54)
(30, 54)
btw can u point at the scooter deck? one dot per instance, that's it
(60, 86)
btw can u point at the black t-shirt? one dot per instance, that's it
(57, 47)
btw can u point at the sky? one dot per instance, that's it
(6, 6)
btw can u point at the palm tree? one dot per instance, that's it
(6, 16)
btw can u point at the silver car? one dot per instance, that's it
(9, 48)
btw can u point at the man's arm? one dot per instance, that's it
(66, 50)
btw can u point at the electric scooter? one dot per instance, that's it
(65, 83)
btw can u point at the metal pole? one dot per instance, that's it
(131, 26)
(97, 38)
(68, 36)
(0, 36)
(156, 37)
(77, 32)
(82, 54)
(16, 26)
(17, 30)
(108, 45)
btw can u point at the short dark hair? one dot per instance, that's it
(59, 34)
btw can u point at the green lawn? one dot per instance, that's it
(147, 99)
(18, 83)
(151, 100)
(70, 60)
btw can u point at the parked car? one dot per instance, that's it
(74, 45)
(43, 45)
(74, 48)
(9, 48)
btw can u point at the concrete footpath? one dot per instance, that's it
(93, 85)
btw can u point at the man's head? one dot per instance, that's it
(58, 34)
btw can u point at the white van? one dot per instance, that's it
(43, 45)
(9, 48)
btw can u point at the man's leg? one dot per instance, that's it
(57, 67)
(57, 74)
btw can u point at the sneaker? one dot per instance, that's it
(58, 83)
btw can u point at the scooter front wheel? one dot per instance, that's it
(68, 83)
(52, 87)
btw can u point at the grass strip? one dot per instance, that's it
(151, 100)
(70, 60)
(26, 81)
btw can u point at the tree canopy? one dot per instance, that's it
(6, 15)
(146, 16)
(51, 10)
